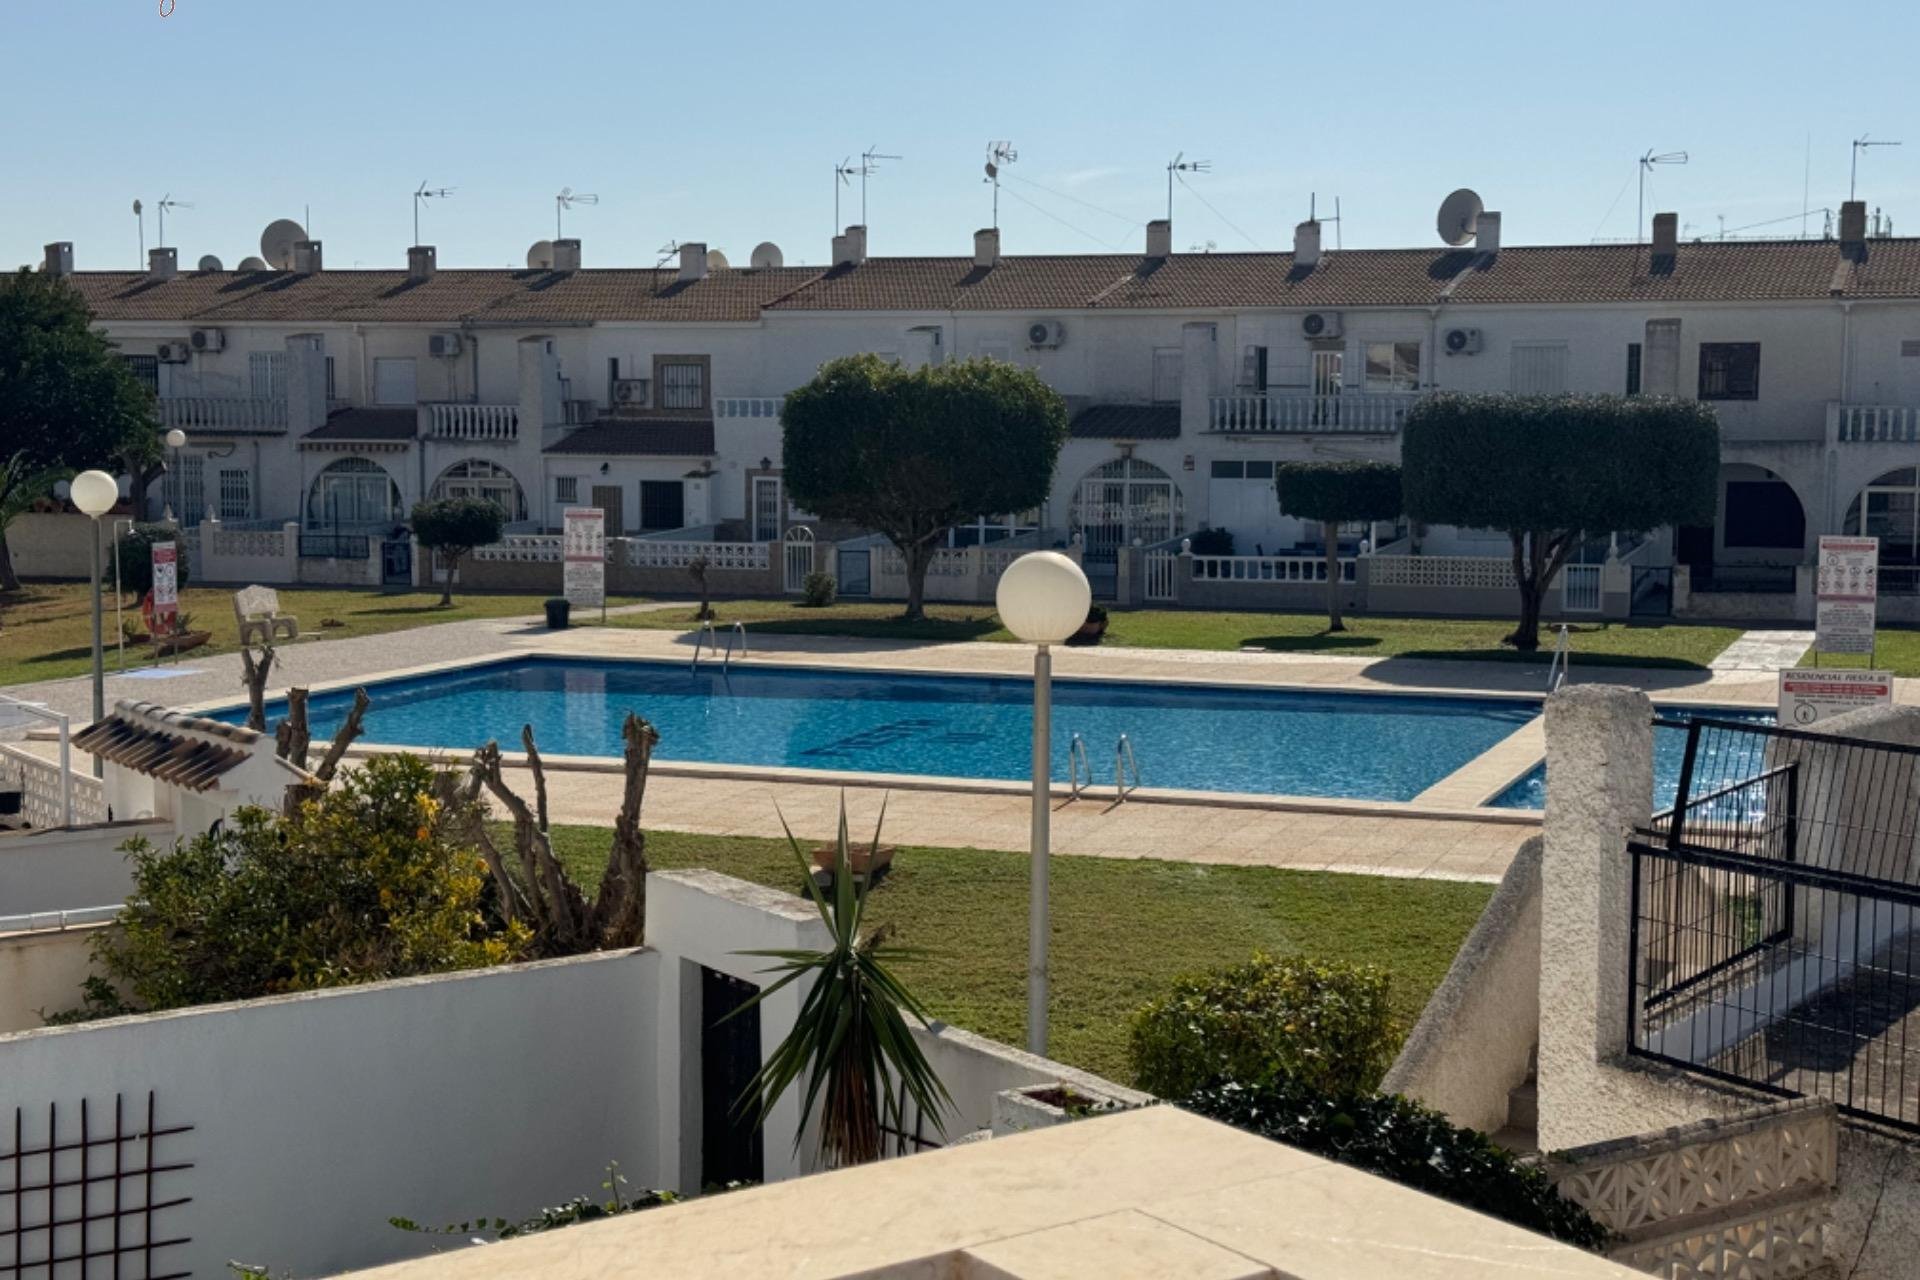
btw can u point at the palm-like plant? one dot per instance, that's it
(851, 1039)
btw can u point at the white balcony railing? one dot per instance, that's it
(223, 413)
(1875, 423)
(748, 406)
(472, 421)
(1277, 413)
(1267, 568)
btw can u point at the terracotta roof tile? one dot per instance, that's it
(368, 424)
(1126, 422)
(658, 437)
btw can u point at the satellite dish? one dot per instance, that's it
(716, 260)
(210, 263)
(136, 208)
(767, 255)
(1458, 214)
(540, 255)
(277, 241)
(253, 264)
(993, 170)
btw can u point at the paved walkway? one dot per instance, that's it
(1767, 651)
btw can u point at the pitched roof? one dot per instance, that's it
(657, 437)
(368, 424)
(186, 750)
(1709, 271)
(1126, 422)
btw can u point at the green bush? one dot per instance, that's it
(135, 548)
(1327, 1026)
(817, 591)
(370, 881)
(1408, 1143)
(1211, 542)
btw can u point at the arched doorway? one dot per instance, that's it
(1760, 515)
(1117, 504)
(353, 493)
(1889, 509)
(479, 478)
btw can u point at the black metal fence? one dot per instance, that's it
(1742, 579)
(335, 546)
(1775, 923)
(87, 1200)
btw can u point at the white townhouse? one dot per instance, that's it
(336, 399)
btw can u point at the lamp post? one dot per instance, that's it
(176, 439)
(95, 493)
(1042, 598)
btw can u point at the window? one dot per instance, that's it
(1539, 368)
(1910, 348)
(1168, 363)
(1259, 471)
(1229, 470)
(236, 495)
(1393, 366)
(478, 478)
(662, 504)
(393, 382)
(1633, 368)
(566, 488)
(683, 384)
(267, 374)
(145, 371)
(332, 395)
(353, 491)
(1253, 369)
(1729, 371)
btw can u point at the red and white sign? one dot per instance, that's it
(166, 587)
(1810, 696)
(1847, 594)
(585, 554)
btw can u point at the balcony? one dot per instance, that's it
(1873, 423)
(748, 406)
(1280, 413)
(479, 422)
(222, 413)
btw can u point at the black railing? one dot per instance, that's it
(1899, 580)
(334, 546)
(1743, 579)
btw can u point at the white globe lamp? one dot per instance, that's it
(95, 493)
(1042, 598)
(176, 438)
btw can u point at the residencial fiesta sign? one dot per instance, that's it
(585, 556)
(1847, 594)
(1809, 696)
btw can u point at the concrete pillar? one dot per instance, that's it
(306, 383)
(539, 389)
(1197, 359)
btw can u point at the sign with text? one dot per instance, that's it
(166, 587)
(1808, 697)
(585, 556)
(1847, 592)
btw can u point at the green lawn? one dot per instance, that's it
(1594, 643)
(1896, 649)
(45, 627)
(1122, 929)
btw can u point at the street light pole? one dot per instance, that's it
(1039, 924)
(94, 493)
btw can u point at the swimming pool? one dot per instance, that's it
(1193, 737)
(1669, 746)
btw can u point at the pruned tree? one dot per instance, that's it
(1334, 493)
(455, 526)
(697, 570)
(293, 742)
(1550, 470)
(912, 453)
(253, 673)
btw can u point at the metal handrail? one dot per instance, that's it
(1562, 662)
(738, 629)
(1077, 759)
(62, 723)
(1124, 762)
(702, 634)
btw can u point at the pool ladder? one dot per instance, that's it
(709, 638)
(1123, 764)
(1561, 666)
(1079, 765)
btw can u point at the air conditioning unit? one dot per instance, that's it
(1320, 324)
(631, 392)
(444, 344)
(174, 352)
(1046, 333)
(209, 340)
(1463, 342)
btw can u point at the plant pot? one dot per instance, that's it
(1041, 1106)
(862, 858)
(1089, 633)
(181, 642)
(558, 611)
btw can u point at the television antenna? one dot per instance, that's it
(167, 202)
(843, 174)
(1180, 164)
(667, 253)
(1313, 215)
(139, 213)
(1647, 162)
(999, 155)
(1860, 144)
(568, 198)
(868, 168)
(426, 193)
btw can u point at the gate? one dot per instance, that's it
(798, 557)
(1652, 592)
(1580, 588)
(396, 562)
(856, 572)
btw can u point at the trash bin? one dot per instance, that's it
(557, 610)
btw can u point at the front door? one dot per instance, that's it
(730, 1142)
(1329, 364)
(607, 498)
(766, 508)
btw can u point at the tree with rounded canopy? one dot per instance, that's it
(67, 401)
(1551, 470)
(912, 453)
(1334, 493)
(455, 526)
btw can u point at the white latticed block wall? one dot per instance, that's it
(1442, 573)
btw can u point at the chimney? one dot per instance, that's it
(1159, 238)
(60, 258)
(421, 262)
(693, 261)
(566, 254)
(1666, 236)
(162, 264)
(1486, 232)
(1306, 244)
(857, 245)
(1853, 229)
(306, 257)
(986, 247)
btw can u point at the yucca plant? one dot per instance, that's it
(851, 1040)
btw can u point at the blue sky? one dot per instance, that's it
(722, 121)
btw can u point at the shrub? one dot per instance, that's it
(1408, 1143)
(1327, 1026)
(1211, 542)
(135, 548)
(817, 590)
(369, 881)
(455, 526)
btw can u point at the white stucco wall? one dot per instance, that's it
(67, 870)
(42, 970)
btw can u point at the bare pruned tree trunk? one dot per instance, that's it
(293, 739)
(350, 729)
(254, 672)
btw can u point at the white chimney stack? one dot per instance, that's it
(1306, 244)
(60, 258)
(566, 254)
(1486, 232)
(857, 244)
(422, 261)
(1159, 238)
(693, 261)
(986, 247)
(162, 264)
(1666, 235)
(306, 257)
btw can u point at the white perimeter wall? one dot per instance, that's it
(67, 870)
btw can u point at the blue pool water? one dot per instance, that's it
(1360, 746)
(1669, 746)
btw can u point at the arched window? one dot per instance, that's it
(1887, 509)
(478, 478)
(353, 491)
(1123, 500)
